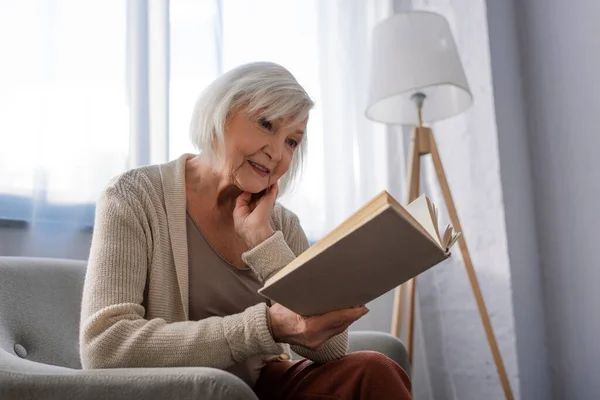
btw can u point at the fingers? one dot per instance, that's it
(349, 314)
(243, 200)
(322, 328)
(270, 196)
(273, 191)
(311, 332)
(338, 318)
(267, 202)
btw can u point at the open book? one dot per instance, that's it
(380, 246)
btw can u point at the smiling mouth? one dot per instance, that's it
(263, 171)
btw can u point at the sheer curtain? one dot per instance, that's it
(63, 108)
(356, 161)
(91, 89)
(211, 37)
(325, 45)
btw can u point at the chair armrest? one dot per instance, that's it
(124, 384)
(382, 342)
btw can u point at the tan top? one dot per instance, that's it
(135, 306)
(228, 290)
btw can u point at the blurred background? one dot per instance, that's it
(91, 88)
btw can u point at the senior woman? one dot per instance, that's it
(179, 250)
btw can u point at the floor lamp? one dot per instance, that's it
(416, 76)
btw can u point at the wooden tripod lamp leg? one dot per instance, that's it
(398, 310)
(439, 169)
(412, 192)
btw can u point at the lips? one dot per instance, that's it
(260, 169)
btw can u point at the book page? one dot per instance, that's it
(433, 211)
(450, 237)
(421, 210)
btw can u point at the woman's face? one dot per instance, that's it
(257, 151)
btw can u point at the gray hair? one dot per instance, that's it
(260, 87)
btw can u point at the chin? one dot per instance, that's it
(252, 187)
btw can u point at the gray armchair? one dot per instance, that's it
(39, 352)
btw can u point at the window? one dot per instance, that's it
(63, 107)
(77, 106)
(208, 38)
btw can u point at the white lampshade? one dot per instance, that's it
(415, 52)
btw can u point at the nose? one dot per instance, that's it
(275, 148)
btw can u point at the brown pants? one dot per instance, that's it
(360, 375)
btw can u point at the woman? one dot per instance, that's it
(180, 249)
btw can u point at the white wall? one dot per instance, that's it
(561, 64)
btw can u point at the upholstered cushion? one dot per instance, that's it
(39, 355)
(40, 302)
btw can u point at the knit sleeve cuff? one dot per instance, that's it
(334, 349)
(248, 334)
(269, 257)
(269, 323)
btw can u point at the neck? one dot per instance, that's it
(215, 188)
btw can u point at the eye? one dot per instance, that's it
(265, 124)
(293, 143)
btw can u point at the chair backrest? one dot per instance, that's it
(40, 302)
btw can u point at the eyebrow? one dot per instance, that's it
(300, 132)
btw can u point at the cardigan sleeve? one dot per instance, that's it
(114, 332)
(275, 253)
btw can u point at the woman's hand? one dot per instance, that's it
(251, 218)
(310, 332)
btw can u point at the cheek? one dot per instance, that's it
(284, 165)
(236, 155)
(248, 148)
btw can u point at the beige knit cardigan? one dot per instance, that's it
(135, 299)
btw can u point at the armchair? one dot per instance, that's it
(39, 352)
